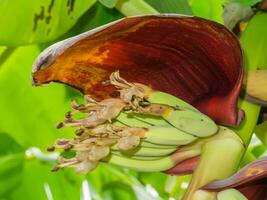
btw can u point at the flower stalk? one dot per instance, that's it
(134, 7)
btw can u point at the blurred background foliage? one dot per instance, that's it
(29, 115)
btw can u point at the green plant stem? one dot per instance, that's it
(214, 165)
(134, 7)
(245, 130)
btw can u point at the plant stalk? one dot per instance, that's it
(134, 7)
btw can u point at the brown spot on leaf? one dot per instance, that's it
(38, 17)
(70, 5)
(49, 10)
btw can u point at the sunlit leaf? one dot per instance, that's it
(101, 177)
(27, 113)
(5, 53)
(176, 185)
(11, 164)
(254, 41)
(212, 9)
(109, 3)
(40, 183)
(96, 16)
(27, 21)
(258, 150)
(118, 191)
(156, 180)
(246, 2)
(171, 6)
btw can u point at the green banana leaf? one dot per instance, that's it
(26, 22)
(105, 176)
(211, 9)
(245, 2)
(254, 41)
(109, 3)
(11, 164)
(171, 6)
(96, 16)
(39, 183)
(29, 114)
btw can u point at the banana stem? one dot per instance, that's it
(245, 130)
(230, 162)
(220, 165)
(134, 7)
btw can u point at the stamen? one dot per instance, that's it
(89, 99)
(95, 132)
(80, 107)
(68, 114)
(79, 132)
(55, 168)
(51, 148)
(68, 147)
(105, 83)
(62, 141)
(144, 103)
(119, 82)
(60, 125)
(67, 163)
(74, 104)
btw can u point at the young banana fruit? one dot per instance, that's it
(210, 148)
(166, 107)
(144, 129)
(230, 194)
